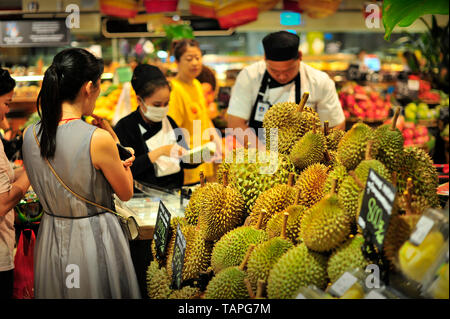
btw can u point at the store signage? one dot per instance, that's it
(161, 234)
(34, 33)
(376, 209)
(178, 259)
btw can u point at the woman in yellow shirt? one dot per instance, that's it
(187, 106)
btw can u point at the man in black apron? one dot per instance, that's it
(282, 59)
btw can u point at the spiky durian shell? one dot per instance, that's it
(259, 172)
(418, 165)
(222, 209)
(192, 209)
(347, 257)
(185, 293)
(333, 138)
(264, 257)
(338, 173)
(325, 225)
(298, 267)
(272, 201)
(352, 147)
(308, 150)
(311, 183)
(228, 284)
(388, 147)
(158, 282)
(275, 224)
(197, 254)
(230, 250)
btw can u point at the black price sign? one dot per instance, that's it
(376, 208)
(178, 259)
(162, 226)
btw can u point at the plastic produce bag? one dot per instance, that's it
(23, 266)
(123, 107)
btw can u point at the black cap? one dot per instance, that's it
(281, 46)
(143, 74)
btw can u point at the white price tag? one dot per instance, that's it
(413, 85)
(423, 227)
(374, 295)
(344, 283)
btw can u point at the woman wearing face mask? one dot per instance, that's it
(188, 106)
(150, 132)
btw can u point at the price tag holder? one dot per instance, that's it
(423, 227)
(178, 259)
(374, 295)
(161, 235)
(376, 209)
(344, 283)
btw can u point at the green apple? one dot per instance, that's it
(422, 107)
(412, 107)
(410, 115)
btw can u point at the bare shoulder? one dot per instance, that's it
(102, 139)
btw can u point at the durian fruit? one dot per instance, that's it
(347, 257)
(275, 224)
(352, 146)
(222, 209)
(325, 225)
(158, 282)
(230, 249)
(252, 172)
(186, 292)
(298, 267)
(292, 121)
(338, 174)
(353, 185)
(333, 137)
(311, 184)
(411, 203)
(418, 165)
(197, 256)
(229, 283)
(309, 149)
(192, 209)
(265, 255)
(273, 200)
(388, 144)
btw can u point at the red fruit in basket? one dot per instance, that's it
(346, 113)
(408, 142)
(421, 131)
(359, 89)
(374, 96)
(379, 103)
(350, 100)
(408, 133)
(370, 114)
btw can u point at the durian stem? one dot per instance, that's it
(302, 103)
(369, 150)
(249, 288)
(260, 218)
(260, 288)
(394, 177)
(225, 179)
(326, 128)
(202, 179)
(395, 118)
(247, 256)
(297, 196)
(327, 156)
(283, 229)
(291, 179)
(357, 180)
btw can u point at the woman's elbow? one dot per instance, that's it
(126, 195)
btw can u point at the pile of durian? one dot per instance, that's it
(267, 235)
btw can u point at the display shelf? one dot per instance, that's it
(428, 123)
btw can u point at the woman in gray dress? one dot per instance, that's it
(81, 251)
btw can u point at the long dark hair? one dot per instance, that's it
(70, 69)
(7, 83)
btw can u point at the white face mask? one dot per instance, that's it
(154, 113)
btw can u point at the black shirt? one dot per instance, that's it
(143, 170)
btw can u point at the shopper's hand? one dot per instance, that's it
(104, 124)
(129, 161)
(173, 150)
